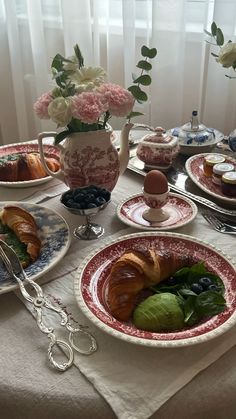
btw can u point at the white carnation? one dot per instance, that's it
(59, 111)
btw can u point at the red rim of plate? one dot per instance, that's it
(138, 197)
(194, 169)
(49, 150)
(94, 270)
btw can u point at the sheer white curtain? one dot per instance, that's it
(110, 33)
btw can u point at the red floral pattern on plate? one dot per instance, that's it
(89, 288)
(49, 150)
(181, 211)
(194, 167)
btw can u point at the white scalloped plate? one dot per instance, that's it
(50, 151)
(94, 271)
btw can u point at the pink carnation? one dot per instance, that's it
(88, 107)
(120, 100)
(41, 105)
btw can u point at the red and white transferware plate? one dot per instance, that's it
(194, 168)
(181, 211)
(95, 269)
(49, 151)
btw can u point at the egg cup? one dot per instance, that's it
(155, 202)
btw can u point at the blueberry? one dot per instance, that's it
(213, 287)
(197, 288)
(79, 191)
(70, 202)
(66, 196)
(92, 205)
(205, 282)
(106, 195)
(83, 205)
(89, 198)
(100, 201)
(79, 197)
(94, 192)
(171, 281)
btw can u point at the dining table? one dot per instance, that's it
(121, 379)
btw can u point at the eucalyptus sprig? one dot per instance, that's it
(217, 34)
(227, 51)
(144, 79)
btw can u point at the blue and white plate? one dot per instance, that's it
(55, 237)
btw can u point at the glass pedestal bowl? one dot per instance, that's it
(89, 230)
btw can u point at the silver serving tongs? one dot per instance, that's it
(15, 269)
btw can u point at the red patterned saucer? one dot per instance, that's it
(49, 151)
(94, 271)
(194, 168)
(181, 211)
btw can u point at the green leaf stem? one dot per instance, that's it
(145, 80)
(213, 28)
(79, 55)
(148, 52)
(219, 37)
(144, 65)
(138, 93)
(61, 136)
(133, 114)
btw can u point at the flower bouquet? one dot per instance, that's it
(81, 103)
(84, 101)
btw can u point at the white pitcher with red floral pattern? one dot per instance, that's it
(90, 158)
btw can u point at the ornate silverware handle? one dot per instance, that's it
(61, 343)
(39, 301)
(203, 201)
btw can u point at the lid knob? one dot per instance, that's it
(194, 121)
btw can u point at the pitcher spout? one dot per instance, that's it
(124, 146)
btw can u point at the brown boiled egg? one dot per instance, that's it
(155, 182)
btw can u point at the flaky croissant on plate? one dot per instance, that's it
(135, 271)
(25, 228)
(25, 166)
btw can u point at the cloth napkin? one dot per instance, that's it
(136, 381)
(34, 194)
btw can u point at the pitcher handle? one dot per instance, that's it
(59, 174)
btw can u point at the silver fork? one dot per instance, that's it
(218, 225)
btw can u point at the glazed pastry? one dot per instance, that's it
(136, 270)
(25, 166)
(24, 227)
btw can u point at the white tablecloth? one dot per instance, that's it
(135, 382)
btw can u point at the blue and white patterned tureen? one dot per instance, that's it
(195, 137)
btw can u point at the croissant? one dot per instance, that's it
(24, 226)
(25, 166)
(135, 271)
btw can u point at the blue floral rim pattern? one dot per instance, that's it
(195, 138)
(55, 237)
